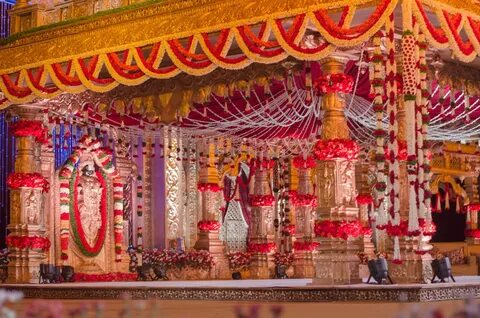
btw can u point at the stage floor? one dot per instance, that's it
(269, 290)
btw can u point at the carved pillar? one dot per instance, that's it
(27, 213)
(337, 260)
(365, 203)
(24, 16)
(262, 214)
(412, 267)
(303, 266)
(208, 239)
(471, 187)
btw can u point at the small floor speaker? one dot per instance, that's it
(378, 269)
(442, 269)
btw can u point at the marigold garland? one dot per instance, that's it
(18, 180)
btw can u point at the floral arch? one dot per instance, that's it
(69, 212)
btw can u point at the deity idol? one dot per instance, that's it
(89, 197)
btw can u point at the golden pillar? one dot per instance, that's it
(261, 215)
(337, 260)
(27, 213)
(210, 240)
(303, 265)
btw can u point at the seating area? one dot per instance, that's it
(463, 261)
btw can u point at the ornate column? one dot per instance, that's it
(365, 203)
(262, 202)
(337, 260)
(471, 187)
(305, 202)
(26, 241)
(209, 225)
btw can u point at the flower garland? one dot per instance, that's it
(263, 248)
(289, 229)
(305, 246)
(473, 233)
(298, 199)
(239, 260)
(258, 200)
(336, 149)
(28, 242)
(473, 207)
(18, 180)
(210, 187)
(75, 217)
(364, 199)
(285, 259)
(340, 229)
(118, 217)
(140, 220)
(208, 225)
(334, 83)
(402, 151)
(300, 162)
(377, 79)
(110, 277)
(427, 228)
(67, 179)
(30, 128)
(200, 260)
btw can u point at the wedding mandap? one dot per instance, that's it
(248, 139)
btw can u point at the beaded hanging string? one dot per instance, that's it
(410, 80)
(393, 188)
(377, 83)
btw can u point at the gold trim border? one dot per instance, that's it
(147, 25)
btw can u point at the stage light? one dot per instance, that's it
(378, 269)
(68, 273)
(49, 273)
(442, 269)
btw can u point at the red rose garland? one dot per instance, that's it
(336, 149)
(334, 83)
(473, 207)
(473, 233)
(364, 199)
(110, 277)
(261, 200)
(30, 128)
(298, 199)
(211, 187)
(285, 259)
(301, 163)
(305, 246)
(263, 248)
(239, 260)
(208, 226)
(27, 180)
(28, 242)
(340, 229)
(289, 229)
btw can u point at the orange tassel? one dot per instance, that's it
(457, 204)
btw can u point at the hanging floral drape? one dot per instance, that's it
(268, 41)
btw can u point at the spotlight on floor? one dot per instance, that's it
(379, 271)
(442, 269)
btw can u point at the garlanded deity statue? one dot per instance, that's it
(89, 197)
(32, 207)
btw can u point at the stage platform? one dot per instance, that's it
(271, 290)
